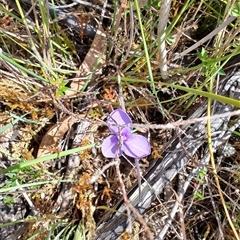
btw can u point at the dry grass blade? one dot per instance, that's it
(162, 24)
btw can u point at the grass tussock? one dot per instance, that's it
(65, 66)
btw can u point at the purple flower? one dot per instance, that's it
(122, 140)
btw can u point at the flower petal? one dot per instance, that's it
(109, 147)
(136, 146)
(118, 117)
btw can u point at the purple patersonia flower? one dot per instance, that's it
(122, 140)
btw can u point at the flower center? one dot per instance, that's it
(125, 132)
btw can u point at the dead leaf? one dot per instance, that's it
(50, 141)
(93, 61)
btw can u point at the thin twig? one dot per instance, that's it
(215, 209)
(174, 125)
(130, 207)
(120, 95)
(180, 205)
(100, 172)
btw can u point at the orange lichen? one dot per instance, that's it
(110, 94)
(107, 192)
(84, 203)
(5, 21)
(82, 188)
(49, 112)
(27, 154)
(125, 236)
(83, 183)
(85, 154)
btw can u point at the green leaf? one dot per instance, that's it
(45, 158)
(198, 195)
(214, 96)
